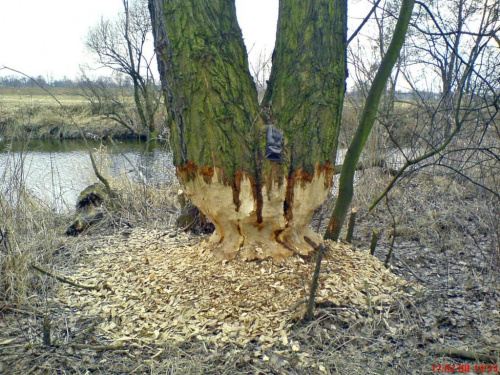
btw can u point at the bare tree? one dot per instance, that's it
(451, 127)
(260, 70)
(368, 117)
(121, 45)
(457, 129)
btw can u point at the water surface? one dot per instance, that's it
(56, 171)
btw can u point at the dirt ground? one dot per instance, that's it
(439, 311)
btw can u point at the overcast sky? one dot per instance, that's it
(45, 37)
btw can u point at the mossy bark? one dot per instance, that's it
(210, 93)
(369, 114)
(306, 89)
(260, 208)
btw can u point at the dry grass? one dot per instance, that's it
(139, 201)
(27, 113)
(18, 96)
(30, 234)
(32, 231)
(431, 209)
(453, 248)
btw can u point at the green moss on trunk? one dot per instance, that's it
(211, 96)
(259, 208)
(369, 114)
(306, 89)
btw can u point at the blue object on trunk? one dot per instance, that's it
(274, 144)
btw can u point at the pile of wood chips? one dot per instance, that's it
(155, 286)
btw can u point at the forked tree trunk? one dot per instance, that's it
(260, 208)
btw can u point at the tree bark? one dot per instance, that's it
(260, 208)
(369, 114)
(305, 94)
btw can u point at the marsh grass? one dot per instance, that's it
(31, 233)
(31, 112)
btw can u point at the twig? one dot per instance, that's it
(87, 330)
(394, 234)
(350, 225)
(465, 354)
(32, 370)
(373, 243)
(65, 280)
(46, 330)
(411, 271)
(369, 300)
(14, 310)
(299, 302)
(365, 20)
(315, 279)
(98, 348)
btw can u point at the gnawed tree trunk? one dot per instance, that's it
(260, 209)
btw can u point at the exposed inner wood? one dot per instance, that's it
(163, 289)
(249, 225)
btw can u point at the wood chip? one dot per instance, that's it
(163, 288)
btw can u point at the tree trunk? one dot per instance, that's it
(369, 114)
(260, 208)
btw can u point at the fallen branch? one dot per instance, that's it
(465, 354)
(411, 271)
(299, 302)
(98, 348)
(377, 163)
(65, 280)
(92, 326)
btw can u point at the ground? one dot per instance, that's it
(122, 328)
(161, 306)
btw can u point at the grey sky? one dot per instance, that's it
(46, 37)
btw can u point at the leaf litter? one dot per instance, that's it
(159, 286)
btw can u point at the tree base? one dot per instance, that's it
(249, 226)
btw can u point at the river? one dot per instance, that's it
(57, 171)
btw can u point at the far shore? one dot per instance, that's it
(58, 113)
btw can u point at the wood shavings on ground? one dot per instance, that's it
(158, 286)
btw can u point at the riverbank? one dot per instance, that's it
(155, 288)
(58, 113)
(155, 303)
